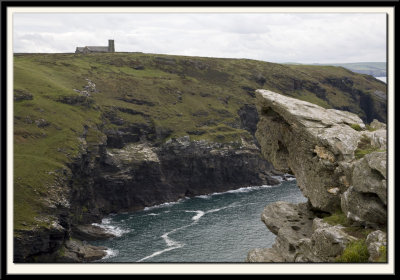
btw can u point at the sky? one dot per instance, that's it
(274, 37)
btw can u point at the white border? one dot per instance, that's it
(201, 268)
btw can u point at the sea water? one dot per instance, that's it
(383, 79)
(215, 228)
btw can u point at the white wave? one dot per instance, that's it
(198, 216)
(110, 253)
(153, 214)
(115, 230)
(240, 190)
(249, 189)
(159, 253)
(205, 196)
(290, 178)
(166, 204)
(170, 242)
(279, 178)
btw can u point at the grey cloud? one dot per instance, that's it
(284, 37)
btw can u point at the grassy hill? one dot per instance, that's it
(60, 97)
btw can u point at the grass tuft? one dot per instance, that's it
(337, 218)
(382, 254)
(355, 252)
(364, 148)
(356, 126)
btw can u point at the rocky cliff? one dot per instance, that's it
(340, 166)
(104, 179)
(113, 132)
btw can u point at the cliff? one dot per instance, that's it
(340, 166)
(102, 133)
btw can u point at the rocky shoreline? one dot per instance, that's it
(106, 180)
(340, 166)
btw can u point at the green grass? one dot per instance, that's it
(179, 94)
(337, 218)
(369, 128)
(355, 252)
(382, 254)
(356, 126)
(364, 148)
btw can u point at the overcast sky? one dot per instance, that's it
(283, 37)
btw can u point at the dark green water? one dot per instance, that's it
(219, 228)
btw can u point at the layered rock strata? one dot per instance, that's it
(340, 166)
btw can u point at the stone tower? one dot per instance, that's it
(111, 47)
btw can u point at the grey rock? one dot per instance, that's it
(364, 208)
(42, 123)
(20, 95)
(269, 255)
(291, 223)
(369, 175)
(90, 232)
(75, 251)
(375, 240)
(310, 141)
(325, 244)
(375, 124)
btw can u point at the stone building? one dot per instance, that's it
(97, 49)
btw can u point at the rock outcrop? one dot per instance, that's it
(75, 251)
(340, 166)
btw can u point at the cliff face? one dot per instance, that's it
(141, 175)
(107, 180)
(340, 166)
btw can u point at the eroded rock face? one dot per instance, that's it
(339, 166)
(319, 146)
(309, 140)
(149, 175)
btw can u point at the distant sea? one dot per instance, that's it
(383, 79)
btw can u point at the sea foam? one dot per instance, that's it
(115, 230)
